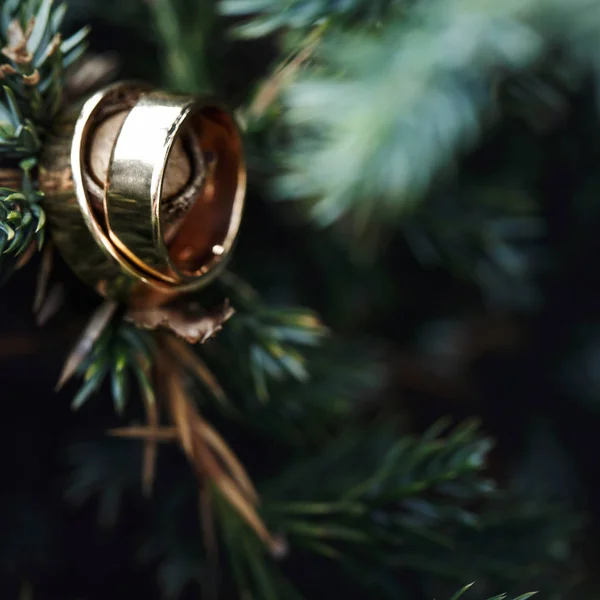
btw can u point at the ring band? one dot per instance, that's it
(135, 179)
(133, 193)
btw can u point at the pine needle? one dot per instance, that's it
(151, 445)
(51, 304)
(161, 434)
(207, 519)
(184, 354)
(272, 88)
(43, 277)
(192, 432)
(178, 405)
(216, 442)
(90, 335)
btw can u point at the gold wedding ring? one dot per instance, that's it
(113, 237)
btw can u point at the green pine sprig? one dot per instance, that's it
(254, 573)
(268, 16)
(268, 340)
(35, 56)
(462, 591)
(183, 30)
(18, 135)
(121, 351)
(103, 470)
(378, 505)
(387, 501)
(489, 235)
(22, 218)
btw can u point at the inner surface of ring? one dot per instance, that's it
(204, 234)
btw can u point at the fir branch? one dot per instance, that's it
(521, 597)
(22, 219)
(489, 235)
(462, 591)
(267, 339)
(18, 135)
(369, 505)
(32, 61)
(120, 352)
(209, 454)
(184, 29)
(383, 502)
(35, 55)
(269, 16)
(253, 570)
(344, 378)
(186, 556)
(102, 470)
(377, 119)
(396, 468)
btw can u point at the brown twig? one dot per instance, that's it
(202, 445)
(186, 356)
(43, 277)
(11, 178)
(160, 434)
(151, 445)
(218, 468)
(52, 304)
(271, 89)
(207, 519)
(13, 346)
(27, 255)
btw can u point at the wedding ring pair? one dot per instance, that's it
(112, 229)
